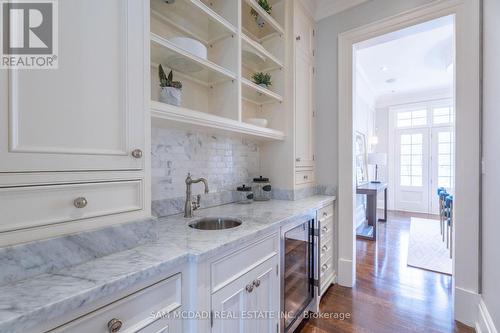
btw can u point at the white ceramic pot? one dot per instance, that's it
(171, 95)
(260, 21)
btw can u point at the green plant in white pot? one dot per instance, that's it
(264, 4)
(262, 79)
(170, 90)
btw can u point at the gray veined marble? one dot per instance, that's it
(28, 303)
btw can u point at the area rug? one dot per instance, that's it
(426, 249)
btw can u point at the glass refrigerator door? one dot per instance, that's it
(298, 290)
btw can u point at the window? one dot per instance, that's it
(411, 118)
(442, 115)
(411, 159)
(445, 159)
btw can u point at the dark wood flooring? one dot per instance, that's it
(389, 296)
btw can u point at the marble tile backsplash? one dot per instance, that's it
(225, 161)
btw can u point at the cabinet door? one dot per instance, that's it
(228, 305)
(304, 144)
(250, 303)
(89, 113)
(265, 298)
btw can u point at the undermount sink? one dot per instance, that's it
(215, 223)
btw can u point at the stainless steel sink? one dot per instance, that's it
(215, 223)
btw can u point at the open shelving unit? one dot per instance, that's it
(218, 93)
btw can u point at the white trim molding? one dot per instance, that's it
(467, 92)
(484, 323)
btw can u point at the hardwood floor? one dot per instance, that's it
(389, 296)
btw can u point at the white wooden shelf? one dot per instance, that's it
(258, 95)
(203, 71)
(267, 18)
(263, 59)
(194, 18)
(165, 113)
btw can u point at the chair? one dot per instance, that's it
(441, 191)
(449, 223)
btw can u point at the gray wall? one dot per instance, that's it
(326, 77)
(491, 142)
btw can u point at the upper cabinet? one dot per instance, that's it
(304, 63)
(74, 140)
(89, 113)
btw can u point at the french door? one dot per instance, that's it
(424, 161)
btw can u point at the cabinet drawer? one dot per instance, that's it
(304, 177)
(325, 270)
(326, 228)
(34, 206)
(136, 312)
(325, 212)
(229, 268)
(325, 249)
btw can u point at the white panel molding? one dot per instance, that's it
(484, 323)
(466, 305)
(325, 8)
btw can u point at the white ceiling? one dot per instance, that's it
(413, 59)
(320, 9)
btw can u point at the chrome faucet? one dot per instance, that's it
(192, 205)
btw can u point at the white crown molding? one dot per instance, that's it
(386, 100)
(325, 8)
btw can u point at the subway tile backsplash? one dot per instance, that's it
(225, 161)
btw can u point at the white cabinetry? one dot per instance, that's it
(150, 310)
(84, 122)
(303, 88)
(325, 273)
(246, 286)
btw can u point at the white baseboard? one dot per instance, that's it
(484, 323)
(347, 274)
(466, 305)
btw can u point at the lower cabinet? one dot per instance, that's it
(250, 299)
(326, 270)
(150, 310)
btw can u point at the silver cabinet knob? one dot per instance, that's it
(297, 38)
(298, 159)
(256, 283)
(324, 267)
(249, 288)
(80, 202)
(306, 177)
(325, 229)
(114, 325)
(325, 213)
(324, 248)
(137, 153)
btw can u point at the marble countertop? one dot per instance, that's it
(27, 303)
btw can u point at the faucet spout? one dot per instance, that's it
(190, 206)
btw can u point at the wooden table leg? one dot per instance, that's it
(385, 207)
(372, 213)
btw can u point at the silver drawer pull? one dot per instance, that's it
(249, 288)
(256, 283)
(80, 202)
(324, 248)
(137, 153)
(325, 213)
(324, 268)
(298, 159)
(306, 177)
(325, 229)
(114, 325)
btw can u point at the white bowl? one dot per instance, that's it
(261, 122)
(190, 45)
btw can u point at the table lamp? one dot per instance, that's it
(377, 159)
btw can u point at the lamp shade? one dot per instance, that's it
(377, 158)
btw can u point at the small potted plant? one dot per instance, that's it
(258, 19)
(262, 79)
(170, 90)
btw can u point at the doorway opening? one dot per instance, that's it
(404, 141)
